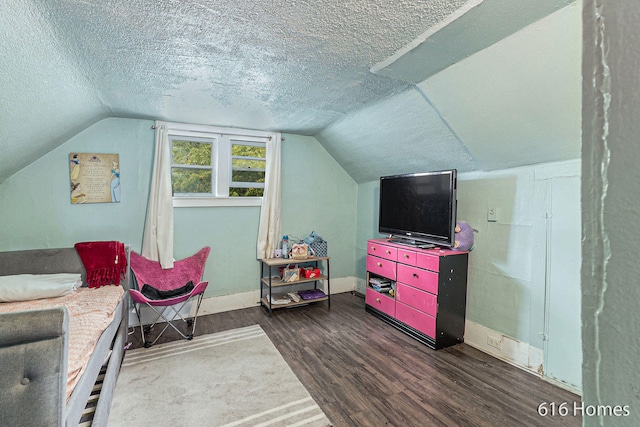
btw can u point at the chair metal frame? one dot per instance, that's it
(169, 303)
(162, 315)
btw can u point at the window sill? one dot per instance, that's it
(202, 202)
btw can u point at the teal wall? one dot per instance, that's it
(500, 266)
(35, 205)
(317, 194)
(508, 274)
(497, 99)
(35, 209)
(368, 205)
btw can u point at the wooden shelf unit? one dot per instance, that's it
(280, 282)
(270, 281)
(265, 302)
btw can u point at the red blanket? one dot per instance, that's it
(105, 262)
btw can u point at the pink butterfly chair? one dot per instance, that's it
(168, 288)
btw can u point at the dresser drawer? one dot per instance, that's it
(430, 262)
(416, 319)
(418, 278)
(382, 251)
(381, 267)
(381, 302)
(407, 257)
(416, 298)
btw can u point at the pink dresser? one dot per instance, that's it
(428, 301)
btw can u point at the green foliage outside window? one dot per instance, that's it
(192, 171)
(188, 180)
(191, 153)
(248, 151)
(245, 192)
(196, 181)
(249, 169)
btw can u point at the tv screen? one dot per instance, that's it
(419, 208)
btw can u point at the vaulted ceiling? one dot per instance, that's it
(385, 86)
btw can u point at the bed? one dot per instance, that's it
(38, 336)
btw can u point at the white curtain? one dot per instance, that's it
(269, 229)
(157, 240)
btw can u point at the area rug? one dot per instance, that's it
(231, 378)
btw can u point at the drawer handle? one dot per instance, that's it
(388, 251)
(379, 264)
(415, 275)
(377, 299)
(373, 248)
(406, 255)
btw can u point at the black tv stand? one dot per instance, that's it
(410, 242)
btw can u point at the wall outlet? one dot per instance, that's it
(494, 341)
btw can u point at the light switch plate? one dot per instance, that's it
(492, 214)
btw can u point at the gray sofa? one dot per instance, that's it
(33, 352)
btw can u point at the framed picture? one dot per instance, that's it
(95, 178)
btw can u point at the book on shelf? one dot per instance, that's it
(382, 285)
(280, 299)
(294, 296)
(379, 281)
(383, 289)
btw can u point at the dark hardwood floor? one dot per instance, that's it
(363, 372)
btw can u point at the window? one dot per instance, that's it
(216, 166)
(192, 169)
(248, 167)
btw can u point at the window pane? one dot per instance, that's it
(248, 151)
(245, 192)
(248, 164)
(247, 176)
(191, 153)
(191, 180)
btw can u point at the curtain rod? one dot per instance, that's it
(154, 127)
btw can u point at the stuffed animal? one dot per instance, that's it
(464, 237)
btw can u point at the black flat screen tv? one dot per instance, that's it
(419, 209)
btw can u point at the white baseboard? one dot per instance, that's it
(343, 284)
(223, 303)
(220, 304)
(563, 385)
(512, 351)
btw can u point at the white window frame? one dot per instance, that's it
(221, 140)
(248, 141)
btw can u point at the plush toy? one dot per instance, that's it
(464, 237)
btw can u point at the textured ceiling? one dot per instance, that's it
(321, 68)
(292, 66)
